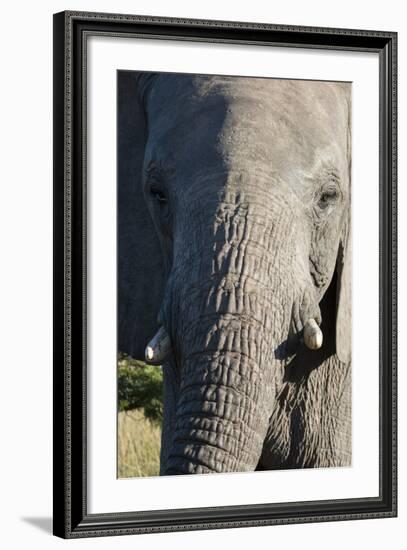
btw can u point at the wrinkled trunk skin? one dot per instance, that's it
(230, 314)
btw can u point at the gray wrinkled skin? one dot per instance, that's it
(234, 227)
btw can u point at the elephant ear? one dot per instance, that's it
(344, 298)
(344, 263)
(140, 262)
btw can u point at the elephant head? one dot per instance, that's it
(234, 229)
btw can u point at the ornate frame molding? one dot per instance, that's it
(71, 30)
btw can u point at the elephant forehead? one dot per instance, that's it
(291, 125)
(287, 126)
(312, 105)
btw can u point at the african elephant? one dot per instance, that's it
(235, 265)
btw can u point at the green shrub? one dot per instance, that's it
(140, 386)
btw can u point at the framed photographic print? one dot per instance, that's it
(224, 274)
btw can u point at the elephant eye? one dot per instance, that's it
(158, 195)
(328, 197)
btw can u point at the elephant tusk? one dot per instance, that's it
(159, 348)
(312, 335)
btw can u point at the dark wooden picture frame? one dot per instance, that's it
(71, 518)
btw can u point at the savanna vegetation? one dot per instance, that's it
(140, 414)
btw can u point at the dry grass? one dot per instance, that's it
(139, 442)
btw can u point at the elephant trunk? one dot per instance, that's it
(224, 402)
(236, 304)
